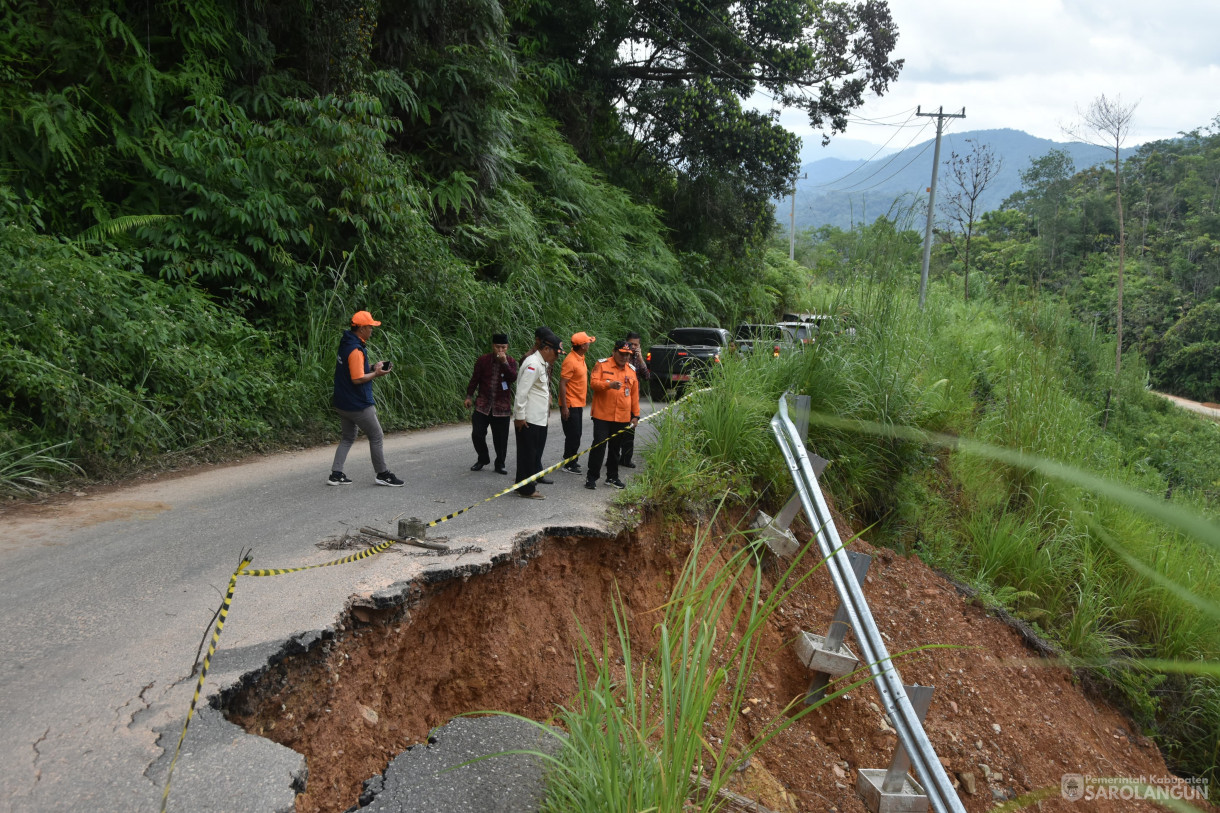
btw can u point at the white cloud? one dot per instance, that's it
(1031, 65)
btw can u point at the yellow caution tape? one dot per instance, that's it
(223, 613)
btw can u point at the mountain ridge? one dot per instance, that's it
(841, 192)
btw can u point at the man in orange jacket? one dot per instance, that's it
(616, 405)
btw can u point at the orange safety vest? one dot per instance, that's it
(619, 405)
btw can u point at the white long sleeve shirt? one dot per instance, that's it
(532, 401)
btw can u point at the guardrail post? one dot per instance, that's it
(937, 788)
(894, 790)
(827, 656)
(773, 531)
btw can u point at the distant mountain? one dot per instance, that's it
(840, 147)
(841, 192)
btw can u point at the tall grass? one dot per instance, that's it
(21, 467)
(637, 736)
(978, 436)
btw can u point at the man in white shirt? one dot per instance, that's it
(531, 408)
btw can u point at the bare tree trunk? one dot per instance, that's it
(1122, 241)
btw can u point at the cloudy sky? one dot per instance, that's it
(1030, 65)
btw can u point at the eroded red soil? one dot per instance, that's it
(506, 640)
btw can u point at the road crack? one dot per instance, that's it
(38, 754)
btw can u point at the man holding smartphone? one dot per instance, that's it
(353, 400)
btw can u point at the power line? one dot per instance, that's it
(908, 113)
(858, 167)
(881, 168)
(893, 174)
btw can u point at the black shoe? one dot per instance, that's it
(614, 481)
(545, 481)
(627, 464)
(572, 468)
(338, 478)
(387, 478)
(501, 470)
(590, 484)
(477, 466)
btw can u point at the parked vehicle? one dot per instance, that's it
(748, 338)
(683, 353)
(816, 324)
(799, 333)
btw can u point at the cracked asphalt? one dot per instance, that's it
(105, 597)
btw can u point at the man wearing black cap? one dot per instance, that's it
(493, 373)
(531, 408)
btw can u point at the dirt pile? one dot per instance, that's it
(1002, 723)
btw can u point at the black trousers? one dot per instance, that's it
(572, 430)
(499, 436)
(601, 431)
(530, 441)
(628, 446)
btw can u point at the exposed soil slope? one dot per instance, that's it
(1000, 720)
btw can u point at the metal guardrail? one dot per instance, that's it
(907, 721)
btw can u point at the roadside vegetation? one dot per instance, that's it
(195, 198)
(946, 430)
(637, 731)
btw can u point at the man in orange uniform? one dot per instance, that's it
(573, 392)
(616, 405)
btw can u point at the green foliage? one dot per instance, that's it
(21, 466)
(1187, 358)
(110, 367)
(1059, 235)
(634, 742)
(655, 96)
(1111, 556)
(315, 182)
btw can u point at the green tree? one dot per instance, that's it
(1044, 197)
(656, 90)
(1188, 357)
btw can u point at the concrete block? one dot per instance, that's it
(911, 799)
(779, 541)
(811, 649)
(412, 528)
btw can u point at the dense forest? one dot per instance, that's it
(1059, 236)
(195, 196)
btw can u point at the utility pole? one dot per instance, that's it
(927, 235)
(792, 218)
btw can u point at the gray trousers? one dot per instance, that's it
(366, 421)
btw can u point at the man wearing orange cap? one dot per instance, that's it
(353, 400)
(573, 392)
(616, 406)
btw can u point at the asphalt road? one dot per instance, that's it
(105, 596)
